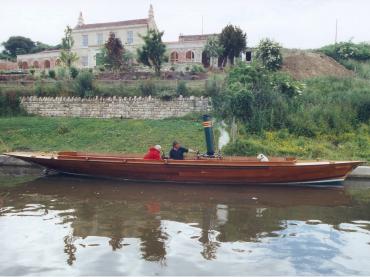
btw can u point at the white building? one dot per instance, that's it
(90, 38)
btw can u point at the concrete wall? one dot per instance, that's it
(115, 107)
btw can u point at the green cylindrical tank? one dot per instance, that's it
(208, 131)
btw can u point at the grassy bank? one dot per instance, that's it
(346, 146)
(53, 88)
(124, 136)
(134, 136)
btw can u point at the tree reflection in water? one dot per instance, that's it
(141, 213)
(70, 249)
(153, 241)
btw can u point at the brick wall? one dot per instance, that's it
(6, 65)
(115, 107)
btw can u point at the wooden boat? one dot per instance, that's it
(228, 170)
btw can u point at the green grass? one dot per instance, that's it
(361, 68)
(100, 88)
(97, 135)
(346, 146)
(134, 136)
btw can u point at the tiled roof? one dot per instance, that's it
(113, 24)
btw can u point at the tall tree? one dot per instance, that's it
(67, 56)
(18, 45)
(269, 54)
(213, 48)
(234, 41)
(112, 53)
(153, 51)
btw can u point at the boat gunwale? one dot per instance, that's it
(193, 162)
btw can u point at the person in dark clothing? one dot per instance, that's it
(177, 151)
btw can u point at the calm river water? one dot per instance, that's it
(72, 226)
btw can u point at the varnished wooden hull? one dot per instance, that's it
(227, 171)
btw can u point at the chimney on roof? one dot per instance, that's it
(80, 20)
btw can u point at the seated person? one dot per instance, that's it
(177, 151)
(154, 153)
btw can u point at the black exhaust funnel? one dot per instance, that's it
(208, 131)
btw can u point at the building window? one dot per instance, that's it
(248, 56)
(85, 40)
(47, 64)
(174, 57)
(130, 37)
(85, 61)
(99, 59)
(190, 56)
(99, 39)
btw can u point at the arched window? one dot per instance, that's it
(47, 64)
(57, 62)
(36, 64)
(174, 57)
(24, 65)
(189, 56)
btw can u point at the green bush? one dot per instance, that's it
(52, 74)
(213, 86)
(61, 73)
(73, 72)
(347, 50)
(167, 95)
(84, 84)
(269, 54)
(32, 71)
(182, 89)
(264, 101)
(10, 104)
(196, 69)
(148, 88)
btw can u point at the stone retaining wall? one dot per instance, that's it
(115, 107)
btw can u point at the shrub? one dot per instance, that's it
(213, 86)
(347, 50)
(62, 129)
(269, 54)
(147, 88)
(10, 104)
(167, 95)
(52, 74)
(196, 69)
(61, 73)
(73, 72)
(32, 71)
(182, 89)
(84, 84)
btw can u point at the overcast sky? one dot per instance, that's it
(293, 23)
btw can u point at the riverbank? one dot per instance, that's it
(135, 136)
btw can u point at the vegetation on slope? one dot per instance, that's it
(97, 135)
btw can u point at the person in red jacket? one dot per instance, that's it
(154, 153)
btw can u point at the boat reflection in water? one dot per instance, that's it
(91, 226)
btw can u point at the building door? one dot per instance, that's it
(206, 60)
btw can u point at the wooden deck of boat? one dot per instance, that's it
(138, 158)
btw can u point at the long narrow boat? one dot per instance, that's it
(228, 170)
